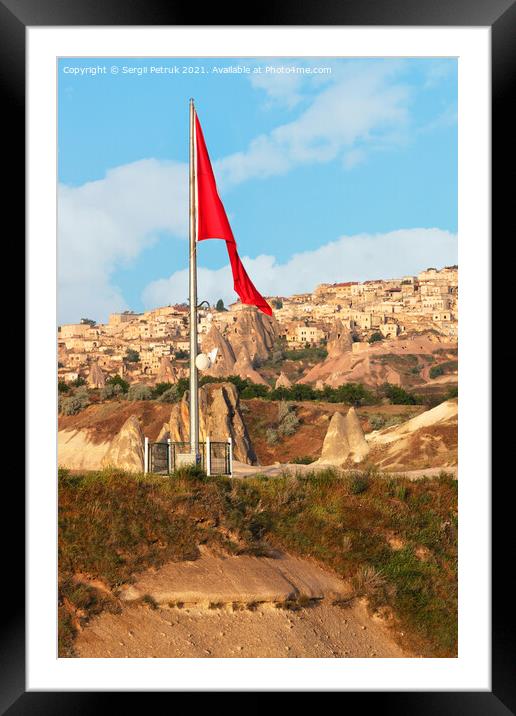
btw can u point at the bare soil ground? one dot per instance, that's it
(319, 631)
(240, 606)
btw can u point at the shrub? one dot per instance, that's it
(139, 392)
(436, 371)
(271, 436)
(160, 388)
(118, 380)
(110, 390)
(398, 396)
(78, 382)
(368, 581)
(376, 337)
(359, 482)
(284, 409)
(63, 387)
(171, 395)
(289, 424)
(377, 422)
(132, 356)
(303, 460)
(74, 404)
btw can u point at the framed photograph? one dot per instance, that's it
(251, 464)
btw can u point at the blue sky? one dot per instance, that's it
(344, 175)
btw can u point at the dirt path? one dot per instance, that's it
(238, 607)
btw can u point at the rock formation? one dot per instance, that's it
(225, 360)
(358, 446)
(335, 449)
(339, 341)
(319, 385)
(127, 449)
(344, 440)
(166, 371)
(254, 330)
(96, 378)
(283, 381)
(244, 368)
(219, 418)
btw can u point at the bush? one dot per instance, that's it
(303, 460)
(271, 436)
(78, 382)
(398, 396)
(139, 392)
(377, 422)
(171, 395)
(359, 482)
(436, 371)
(160, 388)
(376, 337)
(289, 424)
(284, 409)
(75, 403)
(132, 356)
(63, 387)
(118, 380)
(110, 390)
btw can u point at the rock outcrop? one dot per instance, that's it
(358, 447)
(127, 449)
(283, 381)
(339, 341)
(225, 360)
(254, 330)
(244, 368)
(96, 378)
(166, 371)
(219, 418)
(344, 440)
(335, 449)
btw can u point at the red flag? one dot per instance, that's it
(212, 223)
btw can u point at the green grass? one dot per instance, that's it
(113, 525)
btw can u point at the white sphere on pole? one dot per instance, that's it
(202, 361)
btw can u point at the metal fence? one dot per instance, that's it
(163, 458)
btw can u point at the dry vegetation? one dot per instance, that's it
(395, 539)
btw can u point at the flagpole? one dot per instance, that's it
(194, 383)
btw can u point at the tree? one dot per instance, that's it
(377, 336)
(132, 356)
(277, 303)
(117, 380)
(220, 305)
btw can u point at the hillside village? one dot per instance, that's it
(366, 332)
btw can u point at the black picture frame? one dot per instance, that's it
(15, 17)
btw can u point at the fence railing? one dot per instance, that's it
(163, 458)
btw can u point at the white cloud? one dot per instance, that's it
(349, 258)
(107, 223)
(363, 106)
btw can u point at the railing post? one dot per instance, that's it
(169, 456)
(207, 447)
(146, 456)
(230, 442)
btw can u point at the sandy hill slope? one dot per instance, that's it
(427, 440)
(239, 606)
